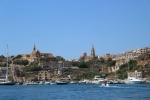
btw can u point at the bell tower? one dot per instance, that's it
(92, 52)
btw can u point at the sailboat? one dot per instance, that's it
(6, 81)
(132, 79)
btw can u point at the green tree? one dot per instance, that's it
(31, 68)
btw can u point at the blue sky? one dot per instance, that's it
(70, 27)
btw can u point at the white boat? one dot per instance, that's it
(31, 83)
(6, 81)
(47, 83)
(98, 80)
(133, 80)
(104, 84)
(133, 77)
(85, 81)
(52, 82)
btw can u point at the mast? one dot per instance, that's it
(7, 65)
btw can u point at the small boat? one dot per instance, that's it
(47, 83)
(31, 83)
(104, 84)
(6, 82)
(52, 82)
(61, 82)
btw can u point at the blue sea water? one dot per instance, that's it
(76, 92)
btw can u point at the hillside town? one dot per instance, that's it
(39, 66)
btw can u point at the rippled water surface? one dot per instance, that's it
(76, 92)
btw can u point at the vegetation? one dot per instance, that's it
(21, 62)
(31, 68)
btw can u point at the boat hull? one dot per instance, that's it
(132, 80)
(61, 83)
(12, 83)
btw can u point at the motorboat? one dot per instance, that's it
(61, 82)
(98, 80)
(104, 84)
(47, 83)
(133, 80)
(31, 83)
(6, 82)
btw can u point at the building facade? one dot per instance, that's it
(86, 58)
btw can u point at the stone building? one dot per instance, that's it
(33, 56)
(85, 58)
(47, 75)
(135, 74)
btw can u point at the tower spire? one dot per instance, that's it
(34, 48)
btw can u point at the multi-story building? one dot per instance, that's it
(47, 75)
(135, 74)
(106, 56)
(133, 54)
(124, 58)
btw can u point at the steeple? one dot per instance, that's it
(93, 52)
(34, 48)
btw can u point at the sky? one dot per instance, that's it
(67, 28)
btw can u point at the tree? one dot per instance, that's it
(21, 62)
(31, 68)
(82, 65)
(102, 60)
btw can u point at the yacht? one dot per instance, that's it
(133, 80)
(6, 81)
(133, 77)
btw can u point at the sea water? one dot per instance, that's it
(76, 92)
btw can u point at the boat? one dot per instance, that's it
(47, 83)
(133, 77)
(133, 80)
(85, 81)
(98, 80)
(61, 82)
(52, 82)
(31, 83)
(104, 84)
(6, 81)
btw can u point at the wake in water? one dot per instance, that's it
(125, 86)
(108, 86)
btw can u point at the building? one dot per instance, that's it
(106, 56)
(47, 75)
(133, 54)
(135, 74)
(35, 55)
(86, 58)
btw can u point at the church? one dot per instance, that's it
(86, 58)
(35, 55)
